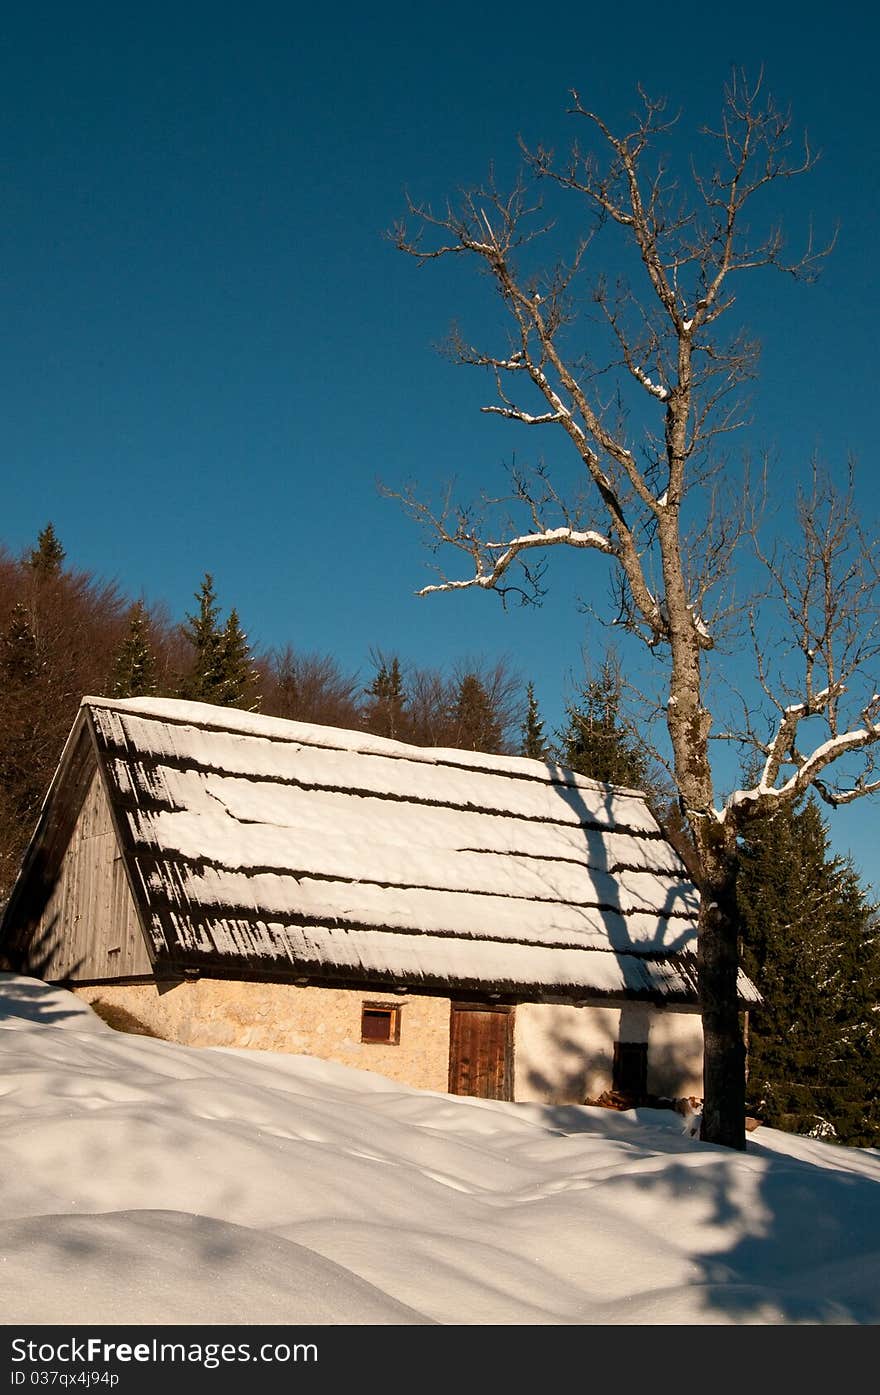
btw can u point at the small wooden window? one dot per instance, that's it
(630, 1075)
(380, 1022)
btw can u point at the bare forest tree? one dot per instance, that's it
(429, 703)
(309, 688)
(646, 396)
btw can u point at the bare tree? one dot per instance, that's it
(309, 688)
(429, 702)
(646, 400)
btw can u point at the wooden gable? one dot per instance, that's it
(72, 917)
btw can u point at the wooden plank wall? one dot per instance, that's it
(89, 927)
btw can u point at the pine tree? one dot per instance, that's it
(202, 629)
(19, 661)
(237, 679)
(223, 672)
(23, 716)
(134, 668)
(385, 713)
(58, 637)
(596, 743)
(474, 720)
(811, 945)
(46, 558)
(534, 743)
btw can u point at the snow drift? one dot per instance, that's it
(153, 1183)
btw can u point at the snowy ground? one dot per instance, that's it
(149, 1183)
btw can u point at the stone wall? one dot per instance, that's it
(312, 1021)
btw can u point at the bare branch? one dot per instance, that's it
(576, 358)
(661, 513)
(512, 549)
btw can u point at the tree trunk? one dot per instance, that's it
(724, 1077)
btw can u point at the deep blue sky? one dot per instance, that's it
(211, 352)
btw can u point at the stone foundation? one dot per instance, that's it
(562, 1054)
(311, 1021)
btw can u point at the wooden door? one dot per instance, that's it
(481, 1051)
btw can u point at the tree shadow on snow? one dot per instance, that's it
(800, 1236)
(34, 1002)
(795, 1240)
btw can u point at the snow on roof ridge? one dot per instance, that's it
(232, 719)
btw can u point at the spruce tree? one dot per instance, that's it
(59, 635)
(46, 558)
(385, 713)
(22, 760)
(134, 668)
(237, 679)
(811, 946)
(534, 743)
(205, 680)
(475, 722)
(19, 662)
(223, 671)
(596, 743)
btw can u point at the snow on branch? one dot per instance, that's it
(515, 414)
(655, 389)
(781, 750)
(488, 579)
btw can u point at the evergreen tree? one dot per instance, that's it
(595, 741)
(46, 558)
(223, 672)
(134, 668)
(811, 945)
(534, 743)
(475, 722)
(385, 713)
(19, 662)
(59, 639)
(23, 716)
(205, 680)
(237, 678)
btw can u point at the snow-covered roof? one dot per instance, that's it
(276, 847)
